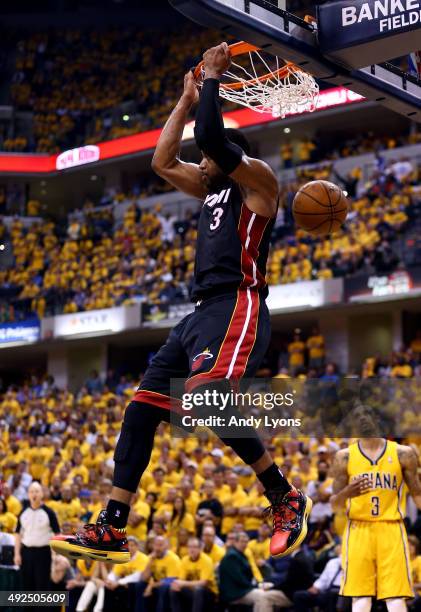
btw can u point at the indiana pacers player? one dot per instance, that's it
(369, 478)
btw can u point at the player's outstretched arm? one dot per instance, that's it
(254, 175)
(408, 459)
(166, 162)
(342, 490)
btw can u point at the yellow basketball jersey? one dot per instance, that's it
(385, 500)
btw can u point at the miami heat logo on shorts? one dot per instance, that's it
(200, 358)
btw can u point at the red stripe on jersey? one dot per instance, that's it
(251, 228)
(158, 399)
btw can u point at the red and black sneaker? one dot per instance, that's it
(290, 512)
(99, 541)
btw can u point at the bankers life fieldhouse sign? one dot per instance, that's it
(364, 33)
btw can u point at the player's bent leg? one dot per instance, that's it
(106, 539)
(361, 604)
(289, 507)
(397, 604)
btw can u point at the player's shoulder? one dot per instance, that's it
(341, 459)
(343, 453)
(407, 454)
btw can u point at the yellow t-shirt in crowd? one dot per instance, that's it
(13, 505)
(174, 526)
(38, 459)
(140, 531)
(80, 470)
(216, 553)
(260, 550)
(316, 347)
(86, 567)
(136, 564)
(8, 522)
(296, 353)
(256, 572)
(255, 500)
(202, 569)
(166, 567)
(236, 499)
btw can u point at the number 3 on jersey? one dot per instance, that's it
(217, 215)
(375, 508)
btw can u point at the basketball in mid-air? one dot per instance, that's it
(320, 208)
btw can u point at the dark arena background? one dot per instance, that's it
(97, 259)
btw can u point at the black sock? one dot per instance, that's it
(117, 513)
(272, 478)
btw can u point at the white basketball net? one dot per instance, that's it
(278, 94)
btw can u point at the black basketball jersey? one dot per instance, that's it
(232, 245)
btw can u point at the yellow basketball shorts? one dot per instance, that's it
(375, 560)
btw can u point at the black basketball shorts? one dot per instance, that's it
(226, 337)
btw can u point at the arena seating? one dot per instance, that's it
(80, 84)
(74, 82)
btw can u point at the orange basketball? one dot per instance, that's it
(320, 208)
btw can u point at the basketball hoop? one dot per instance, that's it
(263, 84)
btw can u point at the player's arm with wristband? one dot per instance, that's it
(408, 458)
(166, 161)
(342, 488)
(253, 174)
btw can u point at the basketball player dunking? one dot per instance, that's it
(369, 479)
(230, 324)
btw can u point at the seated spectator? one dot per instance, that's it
(162, 568)
(291, 574)
(8, 520)
(259, 548)
(120, 576)
(196, 588)
(209, 545)
(236, 581)
(209, 507)
(234, 499)
(84, 571)
(61, 571)
(179, 518)
(323, 593)
(93, 588)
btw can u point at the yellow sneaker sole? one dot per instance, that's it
(301, 537)
(73, 551)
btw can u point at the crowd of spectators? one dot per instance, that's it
(404, 363)
(313, 150)
(75, 81)
(97, 262)
(197, 529)
(88, 85)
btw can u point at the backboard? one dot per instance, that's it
(364, 30)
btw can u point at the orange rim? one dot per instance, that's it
(241, 48)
